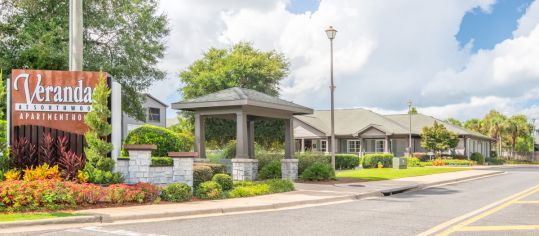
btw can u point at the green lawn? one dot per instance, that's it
(33, 216)
(390, 173)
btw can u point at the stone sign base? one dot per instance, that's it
(289, 169)
(244, 169)
(137, 168)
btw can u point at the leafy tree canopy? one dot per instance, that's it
(238, 66)
(438, 139)
(123, 38)
(454, 121)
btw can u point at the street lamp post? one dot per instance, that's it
(331, 32)
(410, 127)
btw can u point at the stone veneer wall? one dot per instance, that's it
(138, 168)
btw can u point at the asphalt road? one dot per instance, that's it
(407, 213)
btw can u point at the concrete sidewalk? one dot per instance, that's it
(305, 194)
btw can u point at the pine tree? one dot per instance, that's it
(99, 128)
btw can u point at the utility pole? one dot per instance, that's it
(410, 127)
(75, 35)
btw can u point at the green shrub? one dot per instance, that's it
(280, 185)
(265, 158)
(307, 159)
(165, 140)
(94, 175)
(209, 190)
(459, 162)
(477, 157)
(371, 160)
(224, 180)
(249, 190)
(425, 163)
(176, 192)
(495, 161)
(229, 150)
(243, 183)
(271, 171)
(201, 174)
(162, 161)
(346, 161)
(215, 168)
(413, 162)
(318, 172)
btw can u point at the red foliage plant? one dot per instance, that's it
(22, 154)
(47, 151)
(70, 164)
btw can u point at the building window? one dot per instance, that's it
(354, 146)
(323, 145)
(154, 114)
(379, 145)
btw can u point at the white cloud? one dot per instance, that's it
(385, 52)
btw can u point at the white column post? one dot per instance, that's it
(75, 35)
(303, 145)
(200, 139)
(116, 119)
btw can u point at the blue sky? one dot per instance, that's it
(426, 62)
(486, 29)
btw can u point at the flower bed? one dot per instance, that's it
(55, 194)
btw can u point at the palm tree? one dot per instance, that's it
(517, 126)
(494, 125)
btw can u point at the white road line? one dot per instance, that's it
(113, 231)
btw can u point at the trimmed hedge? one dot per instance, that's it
(215, 168)
(346, 161)
(166, 140)
(308, 159)
(162, 161)
(495, 161)
(176, 192)
(201, 173)
(413, 162)
(371, 160)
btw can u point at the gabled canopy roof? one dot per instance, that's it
(240, 97)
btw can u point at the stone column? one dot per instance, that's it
(200, 139)
(289, 169)
(140, 158)
(182, 170)
(289, 165)
(244, 169)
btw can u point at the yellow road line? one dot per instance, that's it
(455, 220)
(527, 202)
(499, 228)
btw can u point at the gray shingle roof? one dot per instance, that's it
(351, 121)
(240, 96)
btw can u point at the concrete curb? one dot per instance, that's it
(346, 196)
(60, 220)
